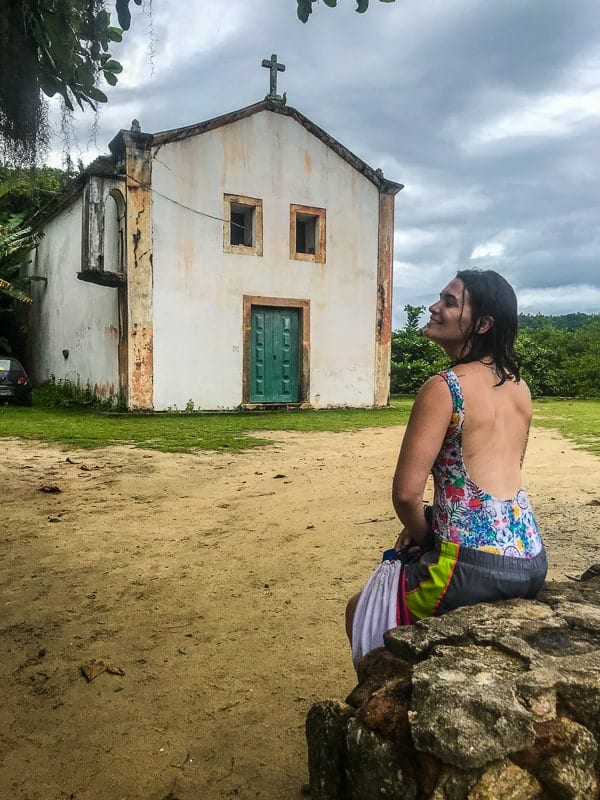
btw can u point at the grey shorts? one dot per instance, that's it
(450, 576)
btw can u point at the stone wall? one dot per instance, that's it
(491, 702)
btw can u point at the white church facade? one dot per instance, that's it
(245, 261)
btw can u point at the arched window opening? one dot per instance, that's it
(113, 233)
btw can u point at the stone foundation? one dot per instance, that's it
(491, 702)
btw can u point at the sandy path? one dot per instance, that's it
(217, 582)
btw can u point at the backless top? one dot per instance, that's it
(465, 514)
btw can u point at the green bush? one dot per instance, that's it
(585, 359)
(555, 361)
(63, 393)
(541, 367)
(414, 358)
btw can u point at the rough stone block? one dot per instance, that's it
(505, 780)
(326, 740)
(496, 701)
(375, 768)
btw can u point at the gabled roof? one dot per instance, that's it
(178, 134)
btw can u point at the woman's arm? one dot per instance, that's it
(427, 426)
(524, 448)
(530, 415)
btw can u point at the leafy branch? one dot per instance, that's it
(304, 9)
(53, 47)
(16, 243)
(72, 43)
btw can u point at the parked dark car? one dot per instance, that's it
(15, 385)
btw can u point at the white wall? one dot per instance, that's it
(198, 288)
(69, 314)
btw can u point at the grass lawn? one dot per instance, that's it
(579, 420)
(175, 432)
(179, 432)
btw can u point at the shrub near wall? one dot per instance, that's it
(63, 393)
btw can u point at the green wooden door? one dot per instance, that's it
(275, 350)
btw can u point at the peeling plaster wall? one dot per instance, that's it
(68, 314)
(198, 288)
(383, 350)
(139, 260)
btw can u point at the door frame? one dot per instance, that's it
(303, 307)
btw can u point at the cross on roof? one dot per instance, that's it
(275, 68)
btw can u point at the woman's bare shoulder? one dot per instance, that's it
(436, 385)
(523, 398)
(433, 396)
(523, 388)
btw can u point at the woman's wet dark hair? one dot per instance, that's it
(491, 295)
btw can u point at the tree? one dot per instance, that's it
(26, 191)
(568, 322)
(52, 47)
(540, 352)
(414, 357)
(558, 362)
(62, 47)
(17, 240)
(305, 7)
(585, 359)
(23, 192)
(555, 361)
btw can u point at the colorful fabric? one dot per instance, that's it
(466, 515)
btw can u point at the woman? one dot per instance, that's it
(479, 541)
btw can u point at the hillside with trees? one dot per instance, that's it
(564, 322)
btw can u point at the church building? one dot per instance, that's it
(241, 262)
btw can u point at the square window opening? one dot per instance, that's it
(242, 225)
(241, 228)
(307, 233)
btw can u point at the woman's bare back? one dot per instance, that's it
(495, 428)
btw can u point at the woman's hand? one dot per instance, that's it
(404, 541)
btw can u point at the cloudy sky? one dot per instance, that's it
(488, 112)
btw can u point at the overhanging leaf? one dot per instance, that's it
(304, 10)
(123, 14)
(114, 34)
(97, 95)
(113, 66)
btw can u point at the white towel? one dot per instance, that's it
(376, 611)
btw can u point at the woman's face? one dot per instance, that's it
(450, 318)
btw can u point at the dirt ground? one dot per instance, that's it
(216, 583)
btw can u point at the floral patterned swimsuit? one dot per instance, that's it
(465, 514)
